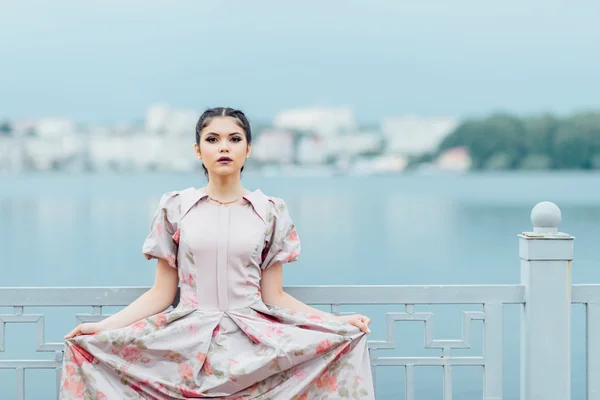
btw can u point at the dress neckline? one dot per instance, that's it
(257, 199)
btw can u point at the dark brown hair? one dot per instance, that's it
(212, 113)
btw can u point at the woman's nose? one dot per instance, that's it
(224, 148)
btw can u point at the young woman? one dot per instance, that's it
(235, 333)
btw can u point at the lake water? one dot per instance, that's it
(87, 230)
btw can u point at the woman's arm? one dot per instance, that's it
(154, 301)
(271, 287)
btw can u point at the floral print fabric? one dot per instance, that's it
(162, 242)
(222, 341)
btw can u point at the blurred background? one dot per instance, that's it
(410, 141)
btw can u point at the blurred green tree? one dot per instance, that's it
(502, 141)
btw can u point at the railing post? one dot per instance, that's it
(546, 256)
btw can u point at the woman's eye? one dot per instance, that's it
(236, 139)
(211, 139)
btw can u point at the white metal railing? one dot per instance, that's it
(492, 297)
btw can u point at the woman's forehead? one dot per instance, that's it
(223, 126)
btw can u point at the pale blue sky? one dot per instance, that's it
(108, 60)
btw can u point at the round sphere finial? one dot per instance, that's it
(545, 217)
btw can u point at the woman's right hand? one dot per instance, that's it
(87, 328)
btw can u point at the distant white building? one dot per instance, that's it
(44, 153)
(11, 159)
(354, 145)
(161, 119)
(413, 135)
(454, 159)
(377, 165)
(321, 149)
(313, 150)
(23, 127)
(142, 152)
(157, 117)
(53, 127)
(274, 146)
(320, 121)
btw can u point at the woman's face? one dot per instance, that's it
(223, 146)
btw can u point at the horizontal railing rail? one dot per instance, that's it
(316, 295)
(585, 293)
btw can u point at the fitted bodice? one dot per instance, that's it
(220, 247)
(220, 251)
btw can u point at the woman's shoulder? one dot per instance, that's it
(175, 196)
(272, 202)
(275, 206)
(170, 197)
(268, 207)
(175, 202)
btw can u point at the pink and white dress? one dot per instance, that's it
(222, 341)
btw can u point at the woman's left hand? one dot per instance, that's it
(357, 320)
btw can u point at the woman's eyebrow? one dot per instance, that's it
(231, 134)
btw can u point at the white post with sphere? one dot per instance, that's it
(546, 256)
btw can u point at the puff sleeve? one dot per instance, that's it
(163, 239)
(282, 242)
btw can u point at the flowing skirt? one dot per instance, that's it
(258, 352)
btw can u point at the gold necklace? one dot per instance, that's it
(224, 203)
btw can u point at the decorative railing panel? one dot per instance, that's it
(492, 297)
(589, 295)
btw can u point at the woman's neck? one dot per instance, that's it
(224, 189)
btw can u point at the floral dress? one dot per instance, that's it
(221, 341)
